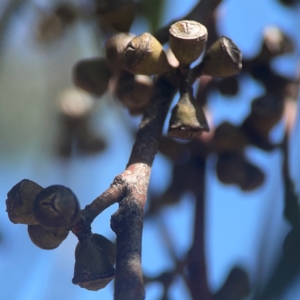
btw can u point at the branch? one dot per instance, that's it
(130, 190)
(127, 222)
(196, 263)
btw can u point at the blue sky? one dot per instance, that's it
(233, 218)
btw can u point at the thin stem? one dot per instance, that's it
(196, 264)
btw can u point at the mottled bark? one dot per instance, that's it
(129, 189)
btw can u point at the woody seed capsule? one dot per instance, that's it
(187, 119)
(56, 206)
(222, 59)
(94, 257)
(20, 201)
(145, 55)
(47, 238)
(114, 50)
(187, 40)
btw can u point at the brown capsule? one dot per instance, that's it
(66, 12)
(114, 49)
(222, 59)
(20, 202)
(56, 206)
(134, 92)
(117, 14)
(145, 55)
(233, 168)
(266, 111)
(187, 119)
(187, 40)
(92, 75)
(49, 28)
(75, 105)
(275, 43)
(106, 245)
(93, 264)
(47, 237)
(52, 24)
(228, 137)
(89, 141)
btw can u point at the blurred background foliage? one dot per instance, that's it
(224, 205)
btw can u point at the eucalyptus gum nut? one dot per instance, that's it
(56, 206)
(20, 202)
(120, 17)
(106, 245)
(75, 106)
(222, 59)
(93, 267)
(276, 43)
(66, 12)
(233, 168)
(47, 238)
(114, 50)
(50, 27)
(228, 137)
(266, 111)
(145, 55)
(187, 40)
(134, 92)
(187, 119)
(92, 75)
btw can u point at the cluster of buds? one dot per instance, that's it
(110, 15)
(50, 214)
(96, 76)
(131, 60)
(223, 59)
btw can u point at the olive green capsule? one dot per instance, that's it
(93, 263)
(20, 202)
(222, 59)
(47, 238)
(56, 206)
(145, 55)
(187, 40)
(187, 119)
